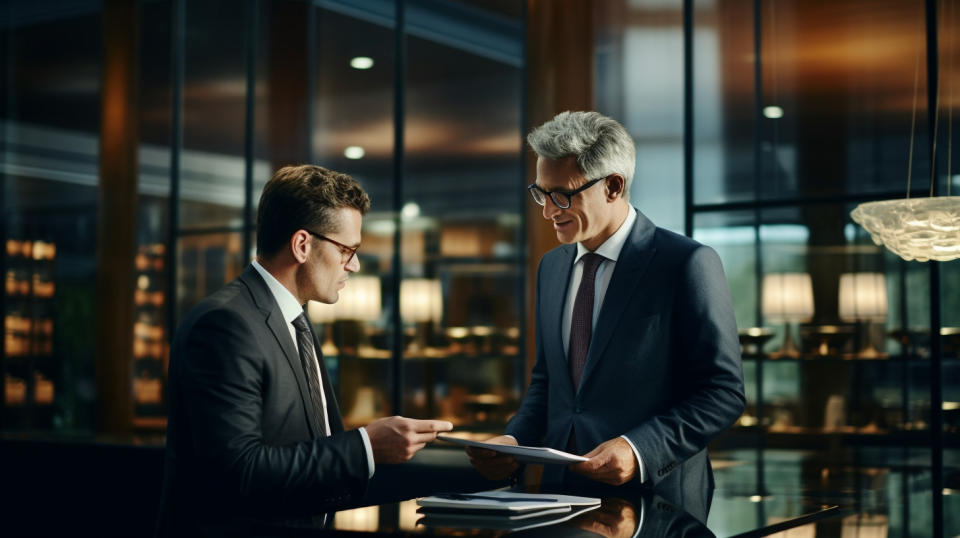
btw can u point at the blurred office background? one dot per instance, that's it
(135, 138)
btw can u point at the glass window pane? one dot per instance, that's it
(639, 74)
(352, 132)
(49, 136)
(463, 197)
(214, 115)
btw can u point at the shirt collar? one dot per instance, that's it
(610, 249)
(290, 307)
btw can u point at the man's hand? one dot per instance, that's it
(397, 439)
(615, 517)
(494, 465)
(613, 462)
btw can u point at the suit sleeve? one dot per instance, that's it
(221, 380)
(529, 424)
(711, 377)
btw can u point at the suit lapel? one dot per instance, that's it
(274, 321)
(556, 280)
(627, 274)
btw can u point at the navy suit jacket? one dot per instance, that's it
(241, 439)
(663, 367)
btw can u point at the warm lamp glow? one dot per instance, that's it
(320, 312)
(359, 299)
(787, 297)
(421, 299)
(863, 296)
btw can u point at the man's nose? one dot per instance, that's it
(353, 265)
(550, 209)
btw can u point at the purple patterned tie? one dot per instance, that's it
(582, 325)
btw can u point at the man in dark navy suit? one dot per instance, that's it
(638, 360)
(255, 429)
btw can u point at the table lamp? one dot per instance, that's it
(359, 302)
(787, 298)
(421, 302)
(324, 314)
(863, 298)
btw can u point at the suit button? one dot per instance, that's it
(576, 410)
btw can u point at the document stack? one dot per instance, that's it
(502, 510)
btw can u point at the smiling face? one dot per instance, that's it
(590, 219)
(322, 275)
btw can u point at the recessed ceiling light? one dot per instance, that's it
(773, 112)
(410, 211)
(354, 152)
(361, 62)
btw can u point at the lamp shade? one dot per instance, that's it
(863, 296)
(320, 312)
(421, 299)
(787, 297)
(359, 299)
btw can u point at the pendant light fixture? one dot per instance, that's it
(919, 229)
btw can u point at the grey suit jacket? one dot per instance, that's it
(663, 367)
(241, 438)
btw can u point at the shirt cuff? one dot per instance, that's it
(369, 448)
(639, 459)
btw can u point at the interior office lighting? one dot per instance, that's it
(421, 300)
(773, 112)
(787, 298)
(863, 297)
(410, 211)
(359, 299)
(361, 62)
(921, 229)
(354, 152)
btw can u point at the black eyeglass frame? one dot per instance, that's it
(567, 194)
(344, 249)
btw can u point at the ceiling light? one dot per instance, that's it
(361, 62)
(410, 211)
(773, 112)
(354, 152)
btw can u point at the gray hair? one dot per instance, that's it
(601, 145)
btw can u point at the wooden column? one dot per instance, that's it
(559, 77)
(117, 212)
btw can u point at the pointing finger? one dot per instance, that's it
(423, 426)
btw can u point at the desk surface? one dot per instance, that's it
(643, 515)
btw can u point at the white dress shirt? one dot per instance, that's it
(610, 249)
(291, 309)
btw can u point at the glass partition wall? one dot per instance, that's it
(419, 101)
(772, 120)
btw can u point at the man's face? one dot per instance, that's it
(588, 213)
(324, 273)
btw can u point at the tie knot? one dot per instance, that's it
(300, 323)
(591, 262)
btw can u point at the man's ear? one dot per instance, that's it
(300, 245)
(615, 184)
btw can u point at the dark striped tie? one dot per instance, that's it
(305, 345)
(581, 327)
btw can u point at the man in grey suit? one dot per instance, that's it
(254, 426)
(637, 356)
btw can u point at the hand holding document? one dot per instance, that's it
(522, 454)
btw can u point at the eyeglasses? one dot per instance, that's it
(560, 198)
(347, 252)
